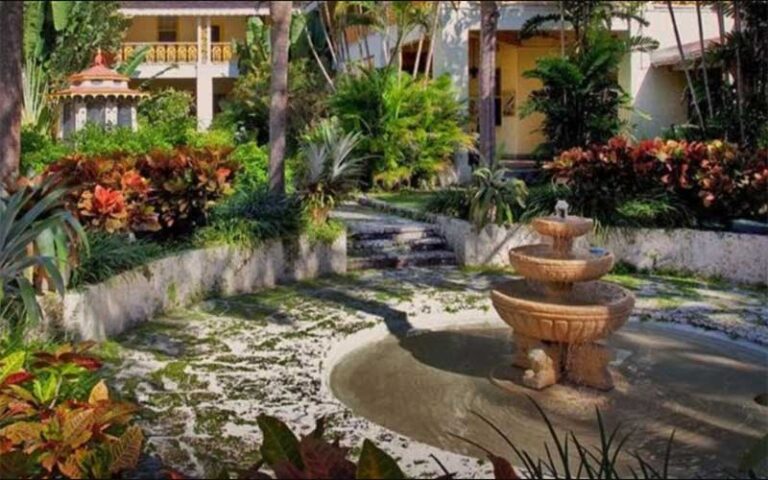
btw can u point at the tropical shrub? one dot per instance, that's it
(580, 97)
(454, 202)
(111, 254)
(37, 238)
(57, 418)
(38, 151)
(494, 197)
(253, 167)
(712, 180)
(162, 191)
(409, 128)
(249, 217)
(169, 113)
(333, 169)
(95, 140)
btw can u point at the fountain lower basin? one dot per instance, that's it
(588, 312)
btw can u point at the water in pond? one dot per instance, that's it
(426, 385)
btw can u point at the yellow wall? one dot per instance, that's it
(144, 29)
(232, 28)
(518, 136)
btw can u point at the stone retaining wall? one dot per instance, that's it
(736, 257)
(107, 309)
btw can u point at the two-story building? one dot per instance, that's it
(655, 80)
(190, 46)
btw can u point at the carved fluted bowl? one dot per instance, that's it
(540, 262)
(590, 311)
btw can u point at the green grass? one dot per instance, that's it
(414, 200)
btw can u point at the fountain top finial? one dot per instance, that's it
(561, 209)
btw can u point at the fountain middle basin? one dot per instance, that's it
(425, 386)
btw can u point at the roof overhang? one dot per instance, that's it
(670, 56)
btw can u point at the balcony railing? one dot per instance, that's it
(160, 52)
(177, 52)
(221, 52)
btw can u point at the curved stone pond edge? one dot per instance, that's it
(737, 257)
(103, 310)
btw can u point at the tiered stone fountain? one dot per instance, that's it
(560, 310)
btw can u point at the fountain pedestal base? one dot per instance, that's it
(546, 363)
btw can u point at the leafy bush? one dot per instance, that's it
(111, 254)
(253, 167)
(216, 138)
(95, 140)
(580, 97)
(251, 216)
(58, 420)
(38, 151)
(169, 191)
(454, 202)
(495, 197)
(409, 128)
(712, 180)
(169, 114)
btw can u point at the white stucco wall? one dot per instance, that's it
(109, 308)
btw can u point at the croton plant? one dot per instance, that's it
(715, 178)
(145, 193)
(57, 418)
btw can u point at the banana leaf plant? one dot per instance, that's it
(495, 196)
(37, 236)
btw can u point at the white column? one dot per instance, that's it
(110, 113)
(81, 114)
(208, 39)
(204, 98)
(199, 34)
(452, 57)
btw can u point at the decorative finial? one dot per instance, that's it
(561, 209)
(99, 59)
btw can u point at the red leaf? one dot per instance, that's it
(323, 460)
(502, 469)
(18, 377)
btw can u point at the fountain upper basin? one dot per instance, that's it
(568, 227)
(541, 262)
(588, 312)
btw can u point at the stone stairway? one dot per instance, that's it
(379, 240)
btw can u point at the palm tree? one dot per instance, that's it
(489, 14)
(739, 78)
(704, 61)
(280, 13)
(11, 38)
(685, 65)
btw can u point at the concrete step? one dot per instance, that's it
(400, 234)
(413, 259)
(381, 245)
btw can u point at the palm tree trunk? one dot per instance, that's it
(432, 39)
(685, 65)
(325, 21)
(418, 54)
(739, 81)
(704, 61)
(278, 108)
(562, 29)
(489, 14)
(11, 14)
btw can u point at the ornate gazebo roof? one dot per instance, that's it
(98, 81)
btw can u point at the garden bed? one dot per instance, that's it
(103, 310)
(730, 256)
